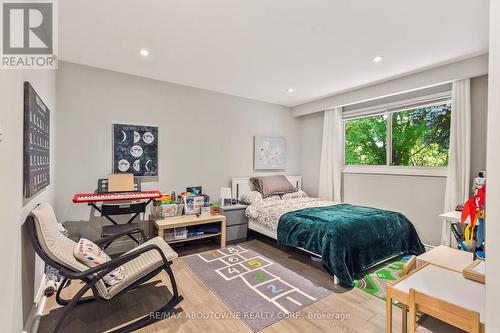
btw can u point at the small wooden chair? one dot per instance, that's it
(410, 265)
(443, 317)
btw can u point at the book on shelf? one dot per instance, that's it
(195, 233)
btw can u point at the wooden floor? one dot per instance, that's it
(366, 313)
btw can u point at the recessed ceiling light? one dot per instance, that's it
(290, 90)
(378, 59)
(144, 52)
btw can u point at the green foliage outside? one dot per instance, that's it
(365, 141)
(420, 137)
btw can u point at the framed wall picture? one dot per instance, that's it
(36, 143)
(135, 149)
(269, 153)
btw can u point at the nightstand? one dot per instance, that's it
(236, 222)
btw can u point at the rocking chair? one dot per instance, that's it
(140, 264)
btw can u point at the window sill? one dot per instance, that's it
(396, 170)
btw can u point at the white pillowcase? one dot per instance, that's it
(272, 198)
(91, 255)
(295, 195)
(252, 197)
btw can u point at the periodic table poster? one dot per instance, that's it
(36, 142)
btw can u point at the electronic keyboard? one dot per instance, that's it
(117, 196)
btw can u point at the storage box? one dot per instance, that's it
(180, 209)
(193, 204)
(155, 211)
(180, 233)
(168, 210)
(205, 209)
(169, 235)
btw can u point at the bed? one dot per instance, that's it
(347, 238)
(240, 186)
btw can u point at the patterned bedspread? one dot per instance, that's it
(268, 213)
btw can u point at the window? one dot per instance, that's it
(421, 137)
(366, 141)
(409, 137)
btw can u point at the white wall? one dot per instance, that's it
(205, 138)
(419, 198)
(19, 276)
(479, 100)
(493, 174)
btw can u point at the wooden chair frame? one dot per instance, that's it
(92, 275)
(452, 314)
(410, 265)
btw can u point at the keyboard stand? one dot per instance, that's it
(123, 208)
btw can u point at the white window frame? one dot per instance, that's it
(388, 109)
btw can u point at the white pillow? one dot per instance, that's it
(295, 195)
(251, 197)
(272, 198)
(91, 255)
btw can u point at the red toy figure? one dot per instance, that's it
(474, 209)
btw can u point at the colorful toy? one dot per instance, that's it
(474, 210)
(215, 209)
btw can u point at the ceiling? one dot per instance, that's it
(260, 48)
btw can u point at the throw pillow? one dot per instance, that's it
(91, 255)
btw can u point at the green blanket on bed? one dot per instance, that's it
(349, 238)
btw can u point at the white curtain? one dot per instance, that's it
(330, 177)
(458, 181)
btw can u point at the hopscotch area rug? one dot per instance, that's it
(259, 290)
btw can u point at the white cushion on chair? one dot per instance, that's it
(433, 325)
(144, 264)
(55, 245)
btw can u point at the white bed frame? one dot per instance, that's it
(242, 185)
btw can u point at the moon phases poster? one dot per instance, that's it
(135, 149)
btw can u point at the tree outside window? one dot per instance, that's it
(420, 138)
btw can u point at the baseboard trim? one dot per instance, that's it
(428, 247)
(31, 325)
(35, 316)
(41, 289)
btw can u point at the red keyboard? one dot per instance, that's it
(119, 196)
